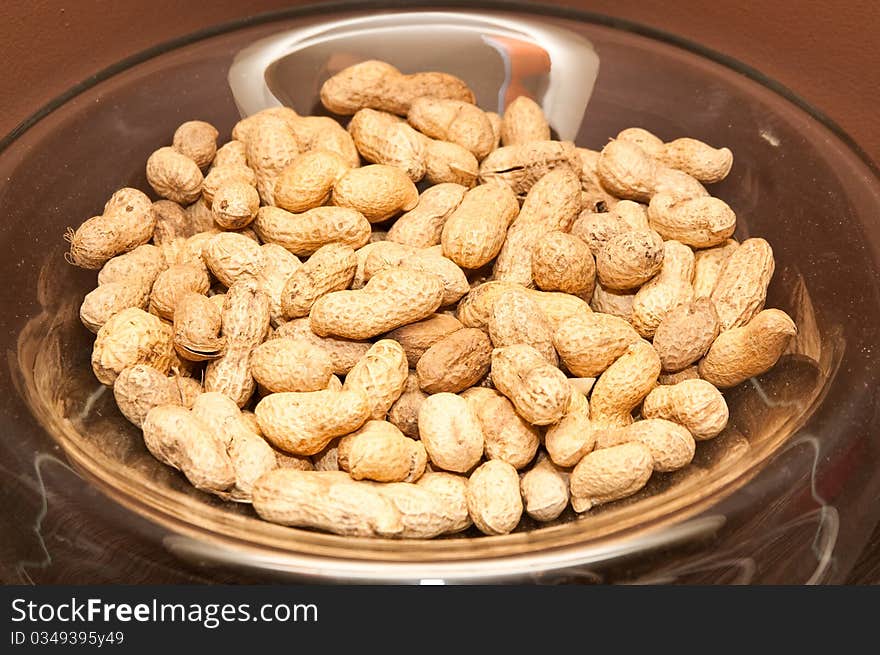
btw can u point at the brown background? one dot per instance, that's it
(825, 51)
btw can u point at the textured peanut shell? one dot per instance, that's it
(304, 423)
(450, 432)
(417, 337)
(588, 343)
(327, 500)
(290, 365)
(220, 176)
(611, 301)
(422, 226)
(197, 140)
(685, 334)
(392, 298)
(698, 159)
(379, 85)
(447, 162)
(506, 435)
(475, 308)
(174, 176)
(624, 384)
(594, 197)
(562, 262)
(689, 373)
(538, 390)
(522, 165)
(380, 375)
(493, 497)
(455, 121)
(307, 181)
(140, 388)
(523, 121)
(672, 446)
(597, 228)
(474, 233)
(131, 337)
(330, 268)
(544, 489)
(694, 404)
(573, 436)
(378, 451)
(744, 352)
(626, 170)
(235, 205)
(343, 353)
(197, 328)
(230, 153)
(232, 257)
(173, 284)
(517, 319)
(455, 362)
(317, 133)
(270, 147)
(699, 222)
(383, 138)
(741, 288)
(172, 222)
(404, 413)
(144, 262)
(424, 513)
(707, 266)
(671, 287)
(452, 489)
(177, 438)
(629, 259)
(610, 474)
(455, 283)
(106, 300)
(377, 191)
(278, 266)
(302, 234)
(646, 140)
(677, 184)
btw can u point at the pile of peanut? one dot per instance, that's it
(296, 324)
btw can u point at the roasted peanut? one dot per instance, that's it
(174, 176)
(307, 181)
(270, 148)
(493, 497)
(544, 489)
(672, 446)
(378, 192)
(520, 166)
(697, 159)
(694, 404)
(173, 284)
(455, 362)
(453, 120)
(707, 266)
(302, 234)
(741, 288)
(614, 302)
(290, 365)
(517, 319)
(197, 140)
(698, 222)
(232, 257)
(380, 375)
(474, 233)
(343, 353)
(685, 334)
(523, 121)
(422, 226)
(128, 338)
(330, 268)
(379, 451)
(624, 384)
(140, 388)
(404, 413)
(610, 474)
(451, 432)
(573, 436)
(671, 287)
(506, 435)
(452, 489)
(538, 390)
(630, 259)
(197, 328)
(588, 343)
(562, 262)
(417, 337)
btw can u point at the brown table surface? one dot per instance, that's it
(824, 51)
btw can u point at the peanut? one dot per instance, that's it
(694, 404)
(493, 497)
(520, 166)
(378, 192)
(699, 222)
(506, 435)
(139, 388)
(447, 162)
(107, 300)
(630, 259)
(689, 373)
(422, 226)
(474, 232)
(451, 432)
(308, 180)
(671, 287)
(128, 338)
(624, 384)
(173, 284)
(343, 353)
(562, 262)
(588, 343)
(517, 319)
(196, 140)
(404, 413)
(144, 262)
(172, 223)
(611, 301)
(302, 234)
(744, 352)
(453, 120)
(174, 176)
(330, 268)
(380, 375)
(197, 328)
(270, 148)
(235, 205)
(455, 362)
(221, 176)
(416, 338)
(672, 446)
(741, 288)
(452, 489)
(610, 474)
(231, 153)
(707, 266)
(685, 334)
(278, 266)
(383, 138)
(523, 121)
(573, 436)
(290, 365)
(544, 489)
(428, 260)
(697, 159)
(423, 512)
(232, 257)
(538, 390)
(379, 451)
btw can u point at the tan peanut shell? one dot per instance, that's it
(232, 152)
(328, 500)
(685, 334)
(596, 229)
(610, 474)
(544, 489)
(428, 260)
(517, 319)
(379, 85)
(379, 451)
(677, 184)
(423, 513)
(697, 159)
(624, 384)
(302, 234)
(128, 338)
(451, 432)
(197, 140)
(614, 302)
(232, 257)
(278, 266)
(630, 259)
(140, 388)
(343, 353)
(475, 308)
(380, 375)
(177, 438)
(377, 191)
(270, 148)
(694, 404)
(304, 423)
(493, 496)
(473, 234)
(689, 373)
(522, 165)
(588, 343)
(107, 300)
(383, 138)
(128, 221)
(172, 222)
(506, 435)
(672, 446)
(523, 121)
(197, 328)
(330, 268)
(538, 390)
(447, 162)
(392, 298)
(313, 133)
(646, 140)
(573, 436)
(174, 283)
(422, 226)
(455, 121)
(174, 176)
(144, 262)
(707, 266)
(562, 262)
(307, 181)
(416, 338)
(594, 198)
(221, 176)
(700, 222)
(744, 352)
(452, 489)
(741, 287)
(626, 170)
(455, 362)
(404, 413)
(288, 364)
(671, 287)
(235, 205)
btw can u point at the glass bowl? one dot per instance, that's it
(786, 494)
